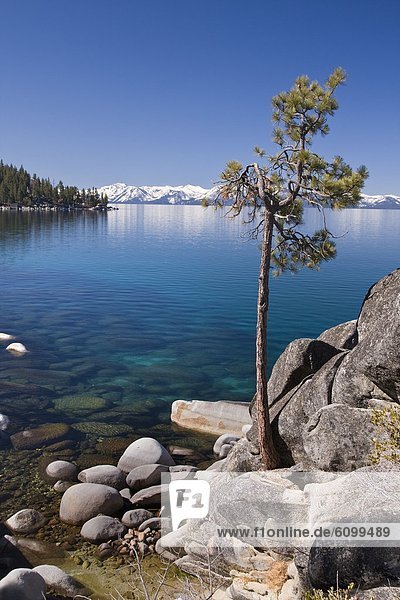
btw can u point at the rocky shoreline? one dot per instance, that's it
(323, 394)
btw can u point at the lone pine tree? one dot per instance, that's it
(272, 196)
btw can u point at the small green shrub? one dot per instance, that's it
(332, 594)
(387, 444)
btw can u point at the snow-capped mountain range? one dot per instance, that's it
(120, 193)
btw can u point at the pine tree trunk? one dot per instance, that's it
(267, 449)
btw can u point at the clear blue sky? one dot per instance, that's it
(166, 91)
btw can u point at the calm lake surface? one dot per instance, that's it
(150, 304)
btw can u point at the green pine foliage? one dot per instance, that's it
(18, 187)
(295, 176)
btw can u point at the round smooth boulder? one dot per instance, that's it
(134, 518)
(145, 476)
(59, 581)
(104, 474)
(27, 520)
(84, 501)
(102, 529)
(22, 584)
(62, 470)
(144, 451)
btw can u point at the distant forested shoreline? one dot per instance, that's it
(20, 189)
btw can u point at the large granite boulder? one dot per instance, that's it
(83, 501)
(363, 567)
(343, 336)
(215, 418)
(303, 403)
(339, 438)
(372, 369)
(22, 584)
(300, 359)
(144, 451)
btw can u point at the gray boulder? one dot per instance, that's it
(302, 403)
(83, 501)
(134, 518)
(145, 476)
(243, 457)
(374, 364)
(364, 495)
(25, 521)
(343, 336)
(102, 529)
(59, 581)
(300, 359)
(22, 584)
(150, 497)
(144, 451)
(362, 567)
(105, 475)
(62, 470)
(339, 438)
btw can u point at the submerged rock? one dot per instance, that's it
(17, 348)
(24, 521)
(46, 434)
(6, 336)
(80, 403)
(102, 429)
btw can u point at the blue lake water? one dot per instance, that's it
(149, 304)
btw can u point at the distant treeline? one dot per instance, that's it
(18, 187)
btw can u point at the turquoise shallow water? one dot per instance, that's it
(145, 305)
